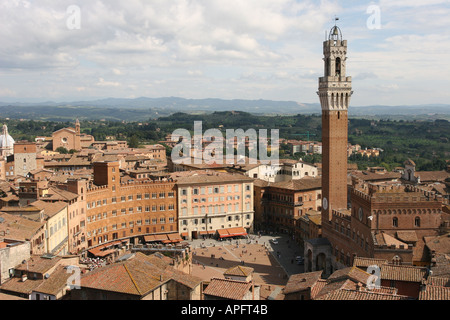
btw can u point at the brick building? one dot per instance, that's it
(71, 138)
(281, 204)
(128, 211)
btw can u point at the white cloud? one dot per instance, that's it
(102, 83)
(219, 48)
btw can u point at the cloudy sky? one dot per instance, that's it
(58, 50)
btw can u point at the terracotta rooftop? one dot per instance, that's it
(367, 262)
(440, 281)
(435, 293)
(386, 239)
(327, 287)
(353, 273)
(56, 194)
(372, 176)
(4, 296)
(441, 265)
(227, 289)
(205, 176)
(50, 208)
(55, 283)
(299, 184)
(407, 236)
(39, 264)
(403, 273)
(432, 176)
(315, 218)
(240, 271)
(136, 276)
(260, 183)
(18, 286)
(19, 228)
(346, 294)
(302, 281)
(440, 244)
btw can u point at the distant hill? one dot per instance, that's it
(145, 108)
(174, 104)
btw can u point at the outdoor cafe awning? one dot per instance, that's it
(100, 250)
(164, 238)
(232, 232)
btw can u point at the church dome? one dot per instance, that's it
(6, 141)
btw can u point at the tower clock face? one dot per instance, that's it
(360, 214)
(325, 203)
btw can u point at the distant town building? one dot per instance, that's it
(24, 158)
(71, 138)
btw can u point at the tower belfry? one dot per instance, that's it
(335, 91)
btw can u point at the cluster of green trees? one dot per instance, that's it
(425, 142)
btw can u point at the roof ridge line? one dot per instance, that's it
(132, 279)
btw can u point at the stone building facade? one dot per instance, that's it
(210, 201)
(24, 157)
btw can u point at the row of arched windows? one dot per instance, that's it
(416, 222)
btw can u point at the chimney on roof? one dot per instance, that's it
(359, 286)
(24, 278)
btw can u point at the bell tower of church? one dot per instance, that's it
(335, 91)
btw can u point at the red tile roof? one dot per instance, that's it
(138, 276)
(302, 281)
(227, 289)
(240, 271)
(435, 293)
(403, 273)
(345, 294)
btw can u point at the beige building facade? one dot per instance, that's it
(212, 201)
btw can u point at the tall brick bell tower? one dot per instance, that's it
(335, 91)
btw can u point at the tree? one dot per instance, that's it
(62, 150)
(133, 142)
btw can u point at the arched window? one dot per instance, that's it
(395, 222)
(417, 222)
(327, 67)
(397, 261)
(338, 67)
